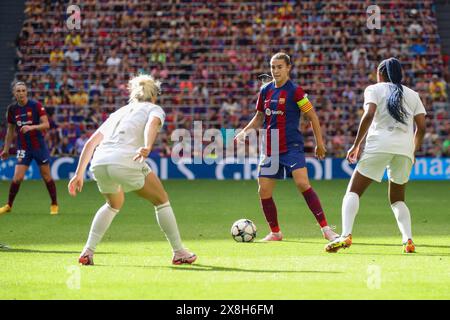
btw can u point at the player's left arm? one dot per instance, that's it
(150, 133)
(301, 98)
(43, 125)
(315, 123)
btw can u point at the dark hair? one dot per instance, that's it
(282, 56)
(391, 70)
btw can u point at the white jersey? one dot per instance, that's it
(386, 135)
(124, 133)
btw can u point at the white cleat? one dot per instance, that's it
(183, 257)
(329, 234)
(273, 236)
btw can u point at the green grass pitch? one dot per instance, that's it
(133, 260)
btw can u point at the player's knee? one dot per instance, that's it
(264, 192)
(116, 208)
(302, 185)
(47, 179)
(115, 204)
(18, 179)
(161, 199)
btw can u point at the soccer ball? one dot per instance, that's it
(243, 230)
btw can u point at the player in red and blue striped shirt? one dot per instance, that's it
(280, 104)
(28, 120)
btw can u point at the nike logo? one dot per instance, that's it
(44, 161)
(293, 165)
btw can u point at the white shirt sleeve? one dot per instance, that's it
(419, 107)
(370, 96)
(158, 113)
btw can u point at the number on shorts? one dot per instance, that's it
(20, 154)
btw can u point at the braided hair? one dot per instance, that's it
(391, 70)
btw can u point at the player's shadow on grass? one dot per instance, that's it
(18, 250)
(375, 244)
(204, 267)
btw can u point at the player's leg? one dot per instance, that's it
(370, 168)
(101, 223)
(265, 191)
(19, 175)
(398, 172)
(350, 206)
(105, 214)
(154, 192)
(300, 176)
(51, 187)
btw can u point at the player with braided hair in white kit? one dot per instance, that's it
(390, 112)
(121, 145)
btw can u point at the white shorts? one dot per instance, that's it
(113, 178)
(373, 165)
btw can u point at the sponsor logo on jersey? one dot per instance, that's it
(270, 112)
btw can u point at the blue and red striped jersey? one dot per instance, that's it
(282, 108)
(28, 114)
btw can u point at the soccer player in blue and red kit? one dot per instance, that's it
(280, 105)
(28, 120)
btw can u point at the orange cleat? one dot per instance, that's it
(54, 209)
(409, 247)
(341, 242)
(86, 258)
(5, 209)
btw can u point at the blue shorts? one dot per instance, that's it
(41, 156)
(288, 162)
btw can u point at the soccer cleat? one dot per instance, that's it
(86, 258)
(54, 209)
(329, 234)
(338, 243)
(183, 257)
(273, 236)
(6, 208)
(409, 247)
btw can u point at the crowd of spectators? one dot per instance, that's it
(208, 55)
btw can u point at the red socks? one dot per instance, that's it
(13, 189)
(270, 211)
(314, 205)
(51, 187)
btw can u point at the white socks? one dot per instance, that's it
(403, 217)
(167, 222)
(350, 207)
(100, 224)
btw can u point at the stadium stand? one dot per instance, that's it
(209, 53)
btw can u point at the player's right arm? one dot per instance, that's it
(76, 183)
(366, 120)
(10, 131)
(257, 120)
(255, 123)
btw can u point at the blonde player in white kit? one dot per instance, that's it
(390, 112)
(121, 145)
